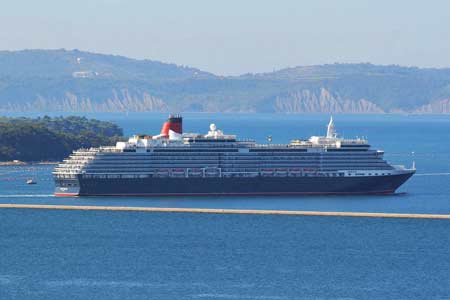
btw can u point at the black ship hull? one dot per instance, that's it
(204, 186)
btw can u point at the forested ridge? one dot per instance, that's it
(52, 139)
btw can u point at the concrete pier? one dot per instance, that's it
(229, 211)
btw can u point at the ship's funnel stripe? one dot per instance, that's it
(174, 124)
(165, 129)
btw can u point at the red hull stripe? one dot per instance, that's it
(232, 194)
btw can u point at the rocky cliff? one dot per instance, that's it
(324, 101)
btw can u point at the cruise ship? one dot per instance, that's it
(174, 163)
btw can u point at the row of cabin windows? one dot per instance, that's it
(195, 154)
(227, 163)
(238, 158)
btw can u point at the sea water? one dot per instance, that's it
(49, 254)
(136, 255)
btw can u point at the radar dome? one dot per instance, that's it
(212, 127)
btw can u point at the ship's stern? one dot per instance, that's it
(63, 191)
(67, 187)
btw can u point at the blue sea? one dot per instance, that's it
(47, 254)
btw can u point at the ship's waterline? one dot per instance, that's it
(175, 163)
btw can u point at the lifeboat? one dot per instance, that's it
(295, 172)
(162, 173)
(195, 172)
(178, 172)
(281, 172)
(211, 172)
(266, 172)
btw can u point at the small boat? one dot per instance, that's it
(31, 181)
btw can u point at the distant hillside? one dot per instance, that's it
(61, 80)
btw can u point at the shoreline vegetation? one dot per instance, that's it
(47, 140)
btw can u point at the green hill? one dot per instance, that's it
(61, 80)
(55, 138)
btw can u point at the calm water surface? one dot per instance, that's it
(52, 255)
(131, 255)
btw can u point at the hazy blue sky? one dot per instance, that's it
(233, 37)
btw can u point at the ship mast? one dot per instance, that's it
(331, 131)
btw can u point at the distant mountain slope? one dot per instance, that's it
(63, 63)
(61, 80)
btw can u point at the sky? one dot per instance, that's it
(232, 37)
